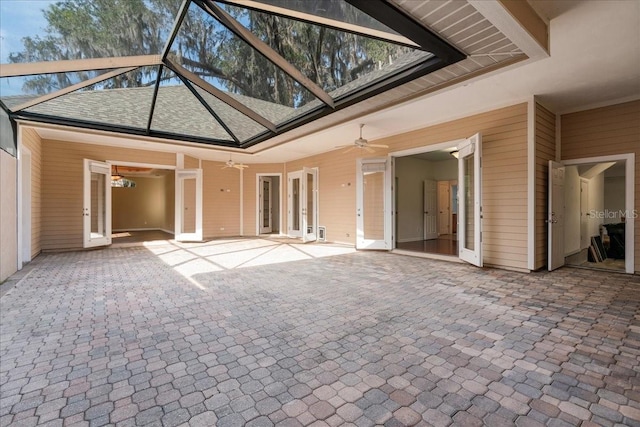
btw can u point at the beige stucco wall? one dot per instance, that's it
(8, 216)
(601, 132)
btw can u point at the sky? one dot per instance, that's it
(18, 19)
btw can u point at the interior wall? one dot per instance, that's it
(32, 141)
(411, 173)
(606, 131)
(8, 215)
(571, 210)
(139, 207)
(62, 189)
(445, 170)
(614, 199)
(596, 203)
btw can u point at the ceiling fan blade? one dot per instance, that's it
(378, 145)
(240, 166)
(369, 149)
(351, 148)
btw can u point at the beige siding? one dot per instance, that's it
(221, 200)
(504, 134)
(545, 143)
(191, 162)
(602, 132)
(62, 174)
(250, 197)
(31, 140)
(8, 215)
(336, 192)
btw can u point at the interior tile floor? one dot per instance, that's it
(258, 333)
(443, 245)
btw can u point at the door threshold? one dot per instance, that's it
(440, 257)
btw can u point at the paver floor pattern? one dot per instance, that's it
(116, 337)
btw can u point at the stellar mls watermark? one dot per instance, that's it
(620, 214)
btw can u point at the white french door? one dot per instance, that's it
(97, 204)
(303, 204)
(555, 218)
(188, 205)
(470, 200)
(265, 210)
(373, 204)
(430, 209)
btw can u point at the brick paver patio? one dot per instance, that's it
(124, 337)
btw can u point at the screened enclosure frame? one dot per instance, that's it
(231, 111)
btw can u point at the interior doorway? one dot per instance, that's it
(143, 204)
(591, 216)
(427, 201)
(268, 215)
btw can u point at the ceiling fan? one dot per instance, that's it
(362, 143)
(231, 164)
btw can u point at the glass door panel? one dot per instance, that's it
(468, 240)
(470, 200)
(188, 205)
(266, 208)
(373, 205)
(295, 204)
(373, 210)
(310, 213)
(97, 204)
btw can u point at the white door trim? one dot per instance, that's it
(629, 159)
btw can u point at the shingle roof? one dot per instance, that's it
(176, 111)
